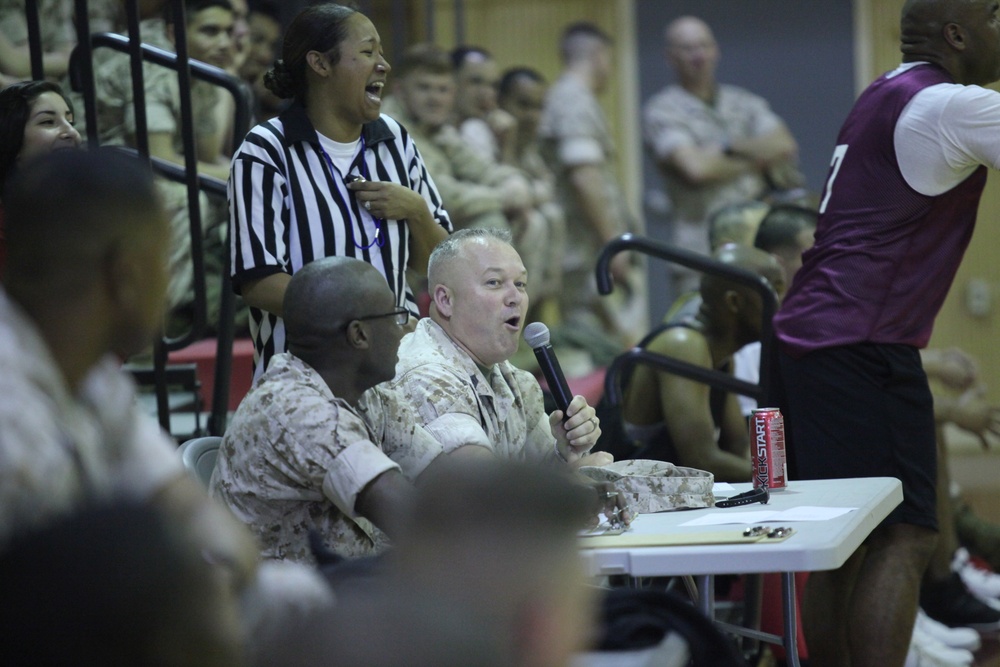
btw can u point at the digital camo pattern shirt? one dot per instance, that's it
(55, 23)
(58, 449)
(296, 458)
(674, 118)
(459, 405)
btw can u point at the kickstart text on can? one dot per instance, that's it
(767, 446)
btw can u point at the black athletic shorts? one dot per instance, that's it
(862, 410)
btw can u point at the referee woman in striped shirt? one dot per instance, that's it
(329, 176)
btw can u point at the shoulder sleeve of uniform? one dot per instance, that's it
(257, 207)
(324, 444)
(445, 403)
(399, 430)
(664, 126)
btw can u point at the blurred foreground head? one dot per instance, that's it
(88, 241)
(497, 540)
(114, 585)
(487, 573)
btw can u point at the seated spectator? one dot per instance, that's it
(83, 288)
(209, 25)
(686, 422)
(508, 532)
(735, 223)
(240, 36)
(480, 192)
(298, 456)
(55, 19)
(959, 398)
(542, 236)
(786, 231)
(486, 128)
(209, 30)
(476, 191)
(120, 584)
(264, 40)
(454, 368)
(35, 119)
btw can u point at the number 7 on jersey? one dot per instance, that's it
(838, 158)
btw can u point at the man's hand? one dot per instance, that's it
(951, 366)
(596, 459)
(972, 413)
(610, 502)
(578, 434)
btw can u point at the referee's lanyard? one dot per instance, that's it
(379, 239)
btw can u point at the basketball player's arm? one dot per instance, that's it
(734, 436)
(686, 409)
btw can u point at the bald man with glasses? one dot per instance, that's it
(301, 455)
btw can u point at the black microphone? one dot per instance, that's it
(536, 335)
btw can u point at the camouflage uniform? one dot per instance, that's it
(55, 18)
(460, 405)
(59, 450)
(295, 458)
(466, 181)
(674, 118)
(117, 125)
(573, 132)
(656, 486)
(478, 136)
(540, 238)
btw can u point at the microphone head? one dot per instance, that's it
(536, 335)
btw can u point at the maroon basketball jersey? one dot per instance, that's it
(885, 255)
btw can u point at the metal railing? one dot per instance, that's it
(82, 80)
(705, 264)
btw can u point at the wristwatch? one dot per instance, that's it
(758, 495)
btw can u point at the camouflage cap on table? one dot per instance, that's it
(656, 486)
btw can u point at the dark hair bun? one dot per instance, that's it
(280, 81)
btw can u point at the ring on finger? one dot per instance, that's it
(368, 206)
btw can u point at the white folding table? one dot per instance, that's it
(814, 546)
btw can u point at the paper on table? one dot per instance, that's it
(722, 487)
(804, 513)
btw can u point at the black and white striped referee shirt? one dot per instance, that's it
(286, 209)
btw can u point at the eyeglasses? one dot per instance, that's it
(402, 316)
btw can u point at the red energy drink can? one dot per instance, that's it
(767, 449)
